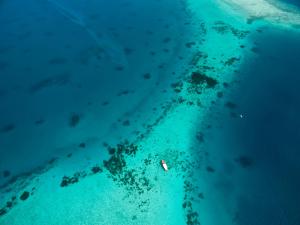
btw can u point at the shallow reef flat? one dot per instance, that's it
(276, 12)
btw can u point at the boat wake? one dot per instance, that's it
(106, 44)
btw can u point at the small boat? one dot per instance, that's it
(164, 165)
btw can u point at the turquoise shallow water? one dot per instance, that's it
(95, 94)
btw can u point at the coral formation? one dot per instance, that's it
(24, 195)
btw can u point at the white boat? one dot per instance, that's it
(164, 165)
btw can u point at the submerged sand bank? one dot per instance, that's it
(272, 11)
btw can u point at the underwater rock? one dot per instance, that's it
(126, 123)
(82, 145)
(7, 128)
(6, 173)
(105, 103)
(39, 121)
(210, 169)
(74, 120)
(24, 196)
(244, 161)
(147, 76)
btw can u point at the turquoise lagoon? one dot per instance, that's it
(95, 94)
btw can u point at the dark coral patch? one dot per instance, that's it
(220, 94)
(198, 78)
(210, 169)
(96, 169)
(6, 173)
(58, 80)
(116, 162)
(230, 105)
(39, 121)
(74, 120)
(231, 61)
(25, 195)
(245, 161)
(128, 51)
(3, 211)
(7, 128)
(200, 137)
(119, 68)
(126, 123)
(105, 103)
(177, 87)
(147, 76)
(9, 204)
(190, 44)
(201, 195)
(167, 40)
(255, 50)
(82, 145)
(69, 180)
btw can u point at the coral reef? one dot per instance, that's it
(201, 79)
(223, 28)
(24, 195)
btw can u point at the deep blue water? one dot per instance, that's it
(269, 134)
(293, 2)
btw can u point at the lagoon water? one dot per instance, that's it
(95, 94)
